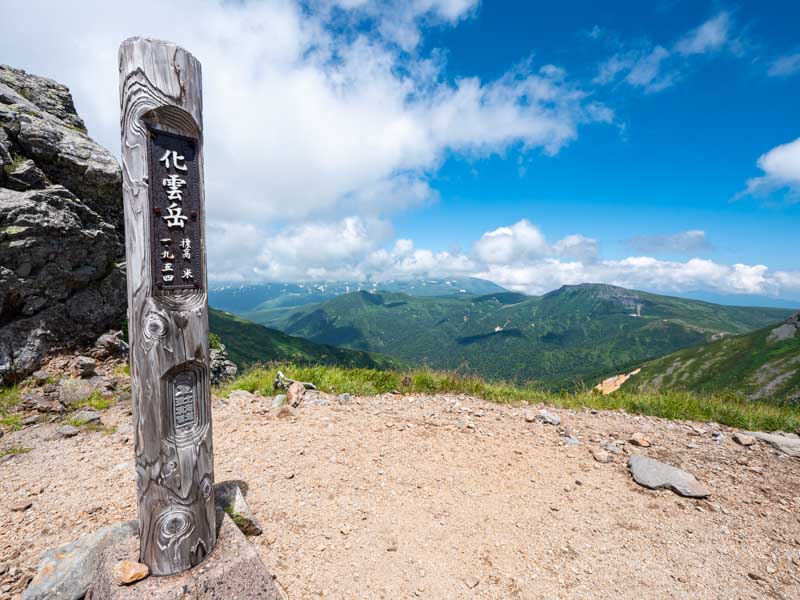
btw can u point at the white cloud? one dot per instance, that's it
(785, 65)
(646, 273)
(781, 167)
(517, 256)
(654, 68)
(319, 111)
(578, 247)
(646, 71)
(693, 240)
(507, 245)
(708, 37)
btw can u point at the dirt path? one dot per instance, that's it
(444, 497)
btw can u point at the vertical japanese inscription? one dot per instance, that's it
(183, 400)
(175, 216)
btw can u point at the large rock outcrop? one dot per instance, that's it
(62, 281)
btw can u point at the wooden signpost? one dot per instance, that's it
(162, 169)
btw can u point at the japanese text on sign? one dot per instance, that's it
(176, 221)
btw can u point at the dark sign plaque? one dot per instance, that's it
(175, 215)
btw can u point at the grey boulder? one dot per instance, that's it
(61, 277)
(787, 443)
(65, 573)
(73, 391)
(655, 475)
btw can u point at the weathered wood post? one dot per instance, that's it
(162, 169)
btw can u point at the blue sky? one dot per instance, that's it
(654, 145)
(682, 157)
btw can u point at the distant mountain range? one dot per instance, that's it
(263, 302)
(571, 335)
(249, 343)
(760, 365)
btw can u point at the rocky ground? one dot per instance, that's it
(441, 497)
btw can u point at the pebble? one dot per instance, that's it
(22, 506)
(743, 439)
(68, 431)
(545, 416)
(128, 571)
(472, 582)
(601, 455)
(638, 439)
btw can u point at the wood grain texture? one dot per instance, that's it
(161, 88)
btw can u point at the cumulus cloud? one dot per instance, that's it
(517, 256)
(646, 273)
(693, 240)
(781, 167)
(313, 110)
(784, 66)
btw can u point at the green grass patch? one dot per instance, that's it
(14, 451)
(97, 401)
(11, 422)
(123, 370)
(9, 398)
(727, 409)
(16, 161)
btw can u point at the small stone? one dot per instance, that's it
(22, 506)
(472, 582)
(85, 367)
(289, 475)
(743, 439)
(86, 415)
(128, 571)
(611, 448)
(530, 417)
(601, 455)
(344, 398)
(295, 394)
(41, 376)
(31, 420)
(391, 544)
(545, 416)
(279, 401)
(638, 439)
(68, 431)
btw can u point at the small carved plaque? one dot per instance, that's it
(184, 400)
(175, 212)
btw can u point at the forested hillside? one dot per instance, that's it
(761, 365)
(572, 335)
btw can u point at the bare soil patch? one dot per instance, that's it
(442, 497)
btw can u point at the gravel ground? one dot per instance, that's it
(442, 497)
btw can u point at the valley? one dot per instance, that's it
(567, 338)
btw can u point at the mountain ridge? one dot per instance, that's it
(569, 335)
(760, 364)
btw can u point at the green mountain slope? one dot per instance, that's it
(249, 343)
(574, 333)
(761, 365)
